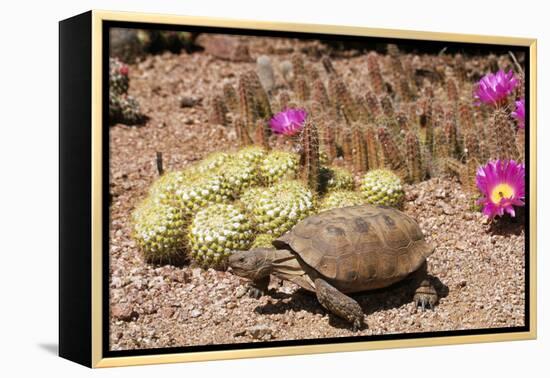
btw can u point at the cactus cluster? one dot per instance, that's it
(354, 146)
(123, 108)
(416, 126)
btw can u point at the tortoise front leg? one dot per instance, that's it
(425, 295)
(258, 288)
(339, 304)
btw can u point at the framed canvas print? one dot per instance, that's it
(235, 189)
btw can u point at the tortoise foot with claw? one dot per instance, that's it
(425, 296)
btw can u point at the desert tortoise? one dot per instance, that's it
(344, 250)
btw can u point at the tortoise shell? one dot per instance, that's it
(359, 247)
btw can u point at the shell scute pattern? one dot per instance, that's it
(359, 245)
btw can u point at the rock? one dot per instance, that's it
(265, 72)
(123, 312)
(260, 332)
(188, 102)
(195, 313)
(167, 312)
(231, 305)
(196, 272)
(224, 47)
(241, 291)
(181, 276)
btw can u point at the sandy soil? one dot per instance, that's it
(479, 267)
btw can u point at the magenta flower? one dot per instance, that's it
(519, 113)
(492, 89)
(288, 122)
(502, 184)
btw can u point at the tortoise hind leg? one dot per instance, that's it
(425, 295)
(339, 304)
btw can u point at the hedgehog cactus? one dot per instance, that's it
(218, 111)
(319, 94)
(451, 135)
(393, 159)
(230, 98)
(217, 231)
(276, 209)
(118, 77)
(359, 150)
(382, 187)
(328, 139)
(414, 157)
(242, 132)
(261, 134)
(373, 148)
(279, 165)
(342, 99)
(341, 198)
(501, 143)
(375, 77)
(247, 105)
(309, 159)
(260, 97)
(159, 231)
(301, 89)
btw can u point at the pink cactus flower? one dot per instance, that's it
(123, 70)
(288, 122)
(493, 89)
(502, 184)
(519, 113)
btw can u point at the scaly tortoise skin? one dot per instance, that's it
(344, 250)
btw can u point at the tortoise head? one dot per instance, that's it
(253, 264)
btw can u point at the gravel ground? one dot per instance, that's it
(479, 266)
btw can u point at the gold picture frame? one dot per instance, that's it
(92, 267)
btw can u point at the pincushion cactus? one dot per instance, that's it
(124, 109)
(341, 198)
(382, 187)
(200, 190)
(336, 178)
(118, 77)
(276, 209)
(212, 162)
(278, 165)
(159, 231)
(252, 155)
(163, 190)
(216, 232)
(263, 241)
(239, 175)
